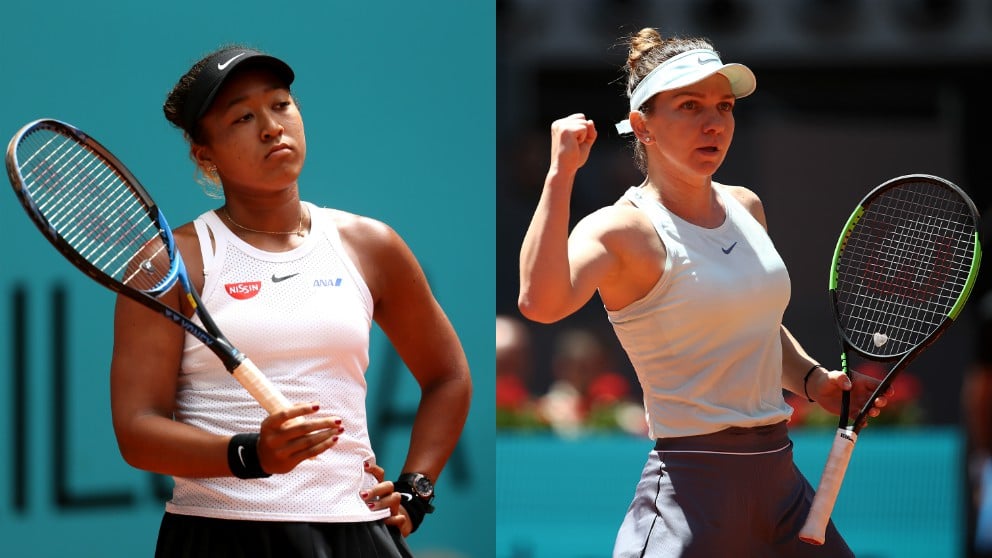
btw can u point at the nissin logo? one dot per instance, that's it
(243, 291)
(327, 282)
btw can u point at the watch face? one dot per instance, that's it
(423, 486)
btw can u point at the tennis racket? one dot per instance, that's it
(903, 268)
(97, 214)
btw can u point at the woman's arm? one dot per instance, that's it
(795, 365)
(824, 385)
(143, 372)
(419, 330)
(559, 274)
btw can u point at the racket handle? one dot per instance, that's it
(259, 386)
(815, 529)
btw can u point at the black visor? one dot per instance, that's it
(215, 72)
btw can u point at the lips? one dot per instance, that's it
(277, 149)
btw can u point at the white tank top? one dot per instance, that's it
(304, 318)
(705, 341)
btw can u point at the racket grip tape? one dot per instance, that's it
(815, 529)
(259, 386)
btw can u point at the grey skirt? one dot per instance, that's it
(732, 493)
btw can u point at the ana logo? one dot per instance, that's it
(327, 282)
(243, 291)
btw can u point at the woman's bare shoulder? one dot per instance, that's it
(360, 230)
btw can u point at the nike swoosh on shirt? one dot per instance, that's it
(730, 249)
(278, 279)
(224, 66)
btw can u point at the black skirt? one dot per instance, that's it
(186, 536)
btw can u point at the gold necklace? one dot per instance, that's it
(297, 232)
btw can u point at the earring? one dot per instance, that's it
(647, 139)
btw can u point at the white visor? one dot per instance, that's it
(685, 69)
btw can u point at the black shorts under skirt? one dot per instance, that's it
(187, 536)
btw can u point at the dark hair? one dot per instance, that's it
(647, 50)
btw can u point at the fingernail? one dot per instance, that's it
(334, 439)
(367, 464)
(316, 407)
(337, 421)
(363, 495)
(371, 505)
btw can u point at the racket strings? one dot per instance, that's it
(904, 266)
(91, 207)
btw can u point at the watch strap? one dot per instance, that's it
(415, 505)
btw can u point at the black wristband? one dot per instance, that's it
(806, 378)
(242, 457)
(415, 506)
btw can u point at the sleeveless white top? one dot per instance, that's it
(304, 318)
(705, 341)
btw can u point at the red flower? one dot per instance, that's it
(511, 393)
(608, 387)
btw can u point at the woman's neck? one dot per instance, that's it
(694, 200)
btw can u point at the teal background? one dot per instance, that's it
(399, 106)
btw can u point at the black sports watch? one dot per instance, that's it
(420, 485)
(417, 491)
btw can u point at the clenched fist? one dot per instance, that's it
(571, 139)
